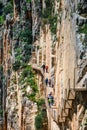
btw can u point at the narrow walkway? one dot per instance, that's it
(47, 90)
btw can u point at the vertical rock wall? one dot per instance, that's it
(68, 52)
(18, 111)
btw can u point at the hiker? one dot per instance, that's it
(50, 99)
(46, 67)
(49, 82)
(43, 66)
(46, 81)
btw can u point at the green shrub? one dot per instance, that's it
(83, 29)
(28, 0)
(19, 58)
(41, 119)
(18, 50)
(26, 35)
(40, 103)
(53, 24)
(38, 122)
(1, 19)
(10, 1)
(49, 9)
(8, 8)
(32, 96)
(79, 6)
(46, 13)
(16, 65)
(23, 49)
(28, 77)
(27, 71)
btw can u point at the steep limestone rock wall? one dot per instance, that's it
(67, 64)
(20, 100)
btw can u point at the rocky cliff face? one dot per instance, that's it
(33, 33)
(19, 100)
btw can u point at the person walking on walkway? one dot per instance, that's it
(43, 67)
(46, 81)
(50, 99)
(46, 67)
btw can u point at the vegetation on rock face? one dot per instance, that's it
(5, 9)
(22, 46)
(1, 13)
(53, 24)
(28, 78)
(16, 65)
(8, 8)
(82, 8)
(79, 6)
(1, 19)
(48, 16)
(28, 0)
(40, 103)
(22, 34)
(41, 118)
(83, 29)
(38, 122)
